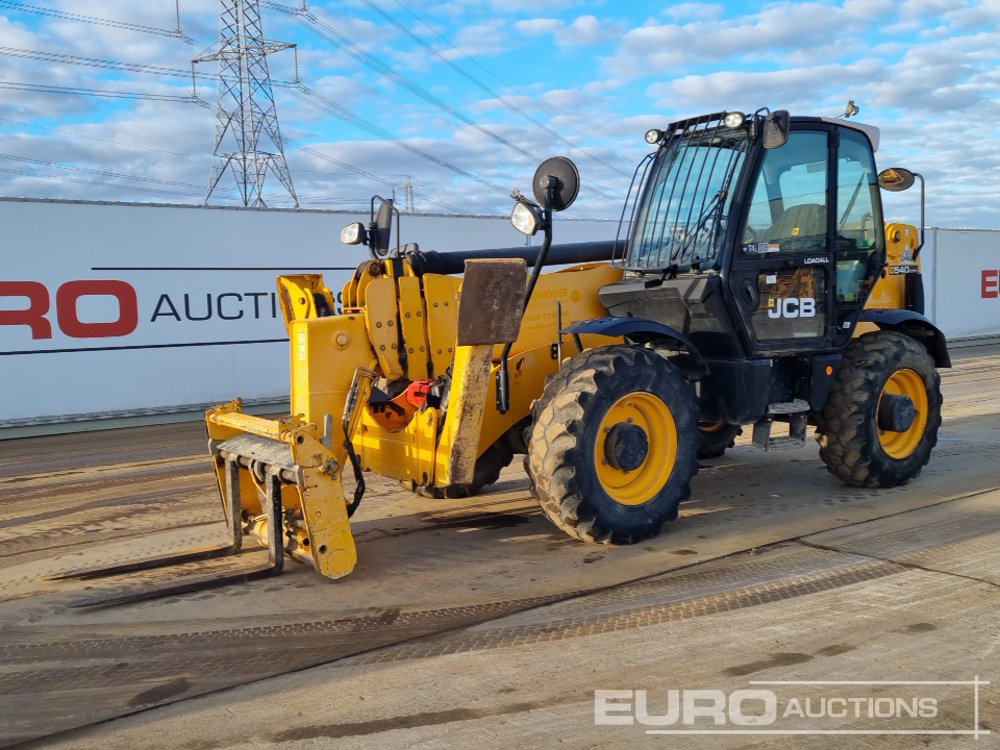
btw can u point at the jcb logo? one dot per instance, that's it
(67, 317)
(792, 307)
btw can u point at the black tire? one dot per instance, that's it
(571, 429)
(716, 437)
(852, 444)
(487, 471)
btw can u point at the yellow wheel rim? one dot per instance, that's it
(902, 444)
(641, 484)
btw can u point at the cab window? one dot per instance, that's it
(859, 233)
(788, 211)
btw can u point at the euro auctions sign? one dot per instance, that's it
(146, 338)
(111, 309)
(911, 708)
(990, 283)
(38, 314)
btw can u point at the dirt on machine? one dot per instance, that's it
(754, 284)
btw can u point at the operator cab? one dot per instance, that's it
(750, 250)
(757, 238)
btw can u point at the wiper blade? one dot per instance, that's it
(714, 206)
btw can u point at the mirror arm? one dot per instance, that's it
(372, 230)
(370, 234)
(550, 189)
(916, 253)
(399, 231)
(503, 375)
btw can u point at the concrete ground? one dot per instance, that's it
(475, 623)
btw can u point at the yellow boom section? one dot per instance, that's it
(398, 329)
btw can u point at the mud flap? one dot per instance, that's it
(490, 311)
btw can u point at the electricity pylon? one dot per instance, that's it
(247, 137)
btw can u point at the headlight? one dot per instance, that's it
(734, 120)
(654, 136)
(525, 218)
(353, 234)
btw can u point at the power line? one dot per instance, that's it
(108, 64)
(70, 134)
(87, 170)
(177, 33)
(301, 92)
(500, 80)
(305, 94)
(203, 157)
(310, 96)
(323, 29)
(349, 168)
(79, 17)
(482, 86)
(131, 188)
(95, 62)
(76, 90)
(373, 177)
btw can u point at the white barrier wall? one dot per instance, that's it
(115, 309)
(962, 270)
(118, 309)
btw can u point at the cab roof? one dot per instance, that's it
(869, 130)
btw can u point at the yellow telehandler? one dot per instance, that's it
(753, 281)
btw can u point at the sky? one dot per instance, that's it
(458, 101)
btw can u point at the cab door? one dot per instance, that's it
(783, 274)
(812, 242)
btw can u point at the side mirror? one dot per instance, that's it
(777, 126)
(381, 229)
(354, 234)
(562, 176)
(896, 179)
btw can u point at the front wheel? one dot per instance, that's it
(881, 420)
(613, 445)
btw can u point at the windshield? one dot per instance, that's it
(686, 195)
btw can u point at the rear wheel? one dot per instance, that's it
(716, 437)
(613, 445)
(880, 422)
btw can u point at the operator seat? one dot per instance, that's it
(803, 220)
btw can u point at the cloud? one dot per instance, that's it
(582, 31)
(488, 38)
(539, 26)
(795, 89)
(954, 74)
(694, 11)
(921, 69)
(463, 8)
(764, 35)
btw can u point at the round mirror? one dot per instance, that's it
(896, 179)
(567, 184)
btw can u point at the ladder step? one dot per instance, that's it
(798, 425)
(784, 442)
(788, 407)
